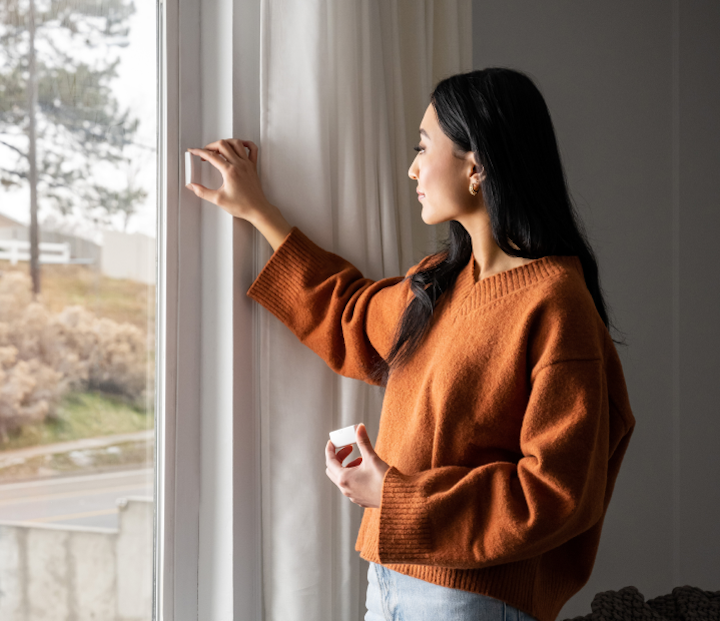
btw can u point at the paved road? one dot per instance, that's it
(88, 500)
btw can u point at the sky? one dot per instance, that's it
(135, 88)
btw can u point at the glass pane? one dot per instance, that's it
(78, 210)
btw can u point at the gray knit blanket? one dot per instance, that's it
(685, 603)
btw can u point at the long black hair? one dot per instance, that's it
(501, 116)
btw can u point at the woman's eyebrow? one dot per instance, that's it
(424, 133)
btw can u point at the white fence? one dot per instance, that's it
(16, 250)
(122, 255)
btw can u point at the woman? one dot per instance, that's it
(506, 415)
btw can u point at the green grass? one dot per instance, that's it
(82, 415)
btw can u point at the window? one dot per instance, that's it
(190, 324)
(78, 213)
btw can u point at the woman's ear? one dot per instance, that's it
(477, 175)
(477, 172)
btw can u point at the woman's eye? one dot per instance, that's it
(418, 148)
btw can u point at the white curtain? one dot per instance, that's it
(344, 85)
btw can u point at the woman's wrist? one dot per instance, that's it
(271, 224)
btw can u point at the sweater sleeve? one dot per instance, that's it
(503, 512)
(347, 319)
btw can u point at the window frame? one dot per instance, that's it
(208, 561)
(175, 532)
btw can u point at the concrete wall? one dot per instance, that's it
(66, 573)
(130, 256)
(634, 92)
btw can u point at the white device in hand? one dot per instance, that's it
(211, 178)
(191, 174)
(344, 437)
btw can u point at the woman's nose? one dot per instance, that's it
(411, 171)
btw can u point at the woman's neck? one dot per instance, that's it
(489, 258)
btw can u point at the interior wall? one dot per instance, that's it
(633, 92)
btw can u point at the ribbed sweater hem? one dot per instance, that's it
(512, 583)
(393, 532)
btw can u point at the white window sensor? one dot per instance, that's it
(344, 437)
(190, 174)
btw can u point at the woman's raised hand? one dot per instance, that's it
(241, 193)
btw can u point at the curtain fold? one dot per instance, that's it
(343, 88)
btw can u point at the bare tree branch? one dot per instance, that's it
(14, 148)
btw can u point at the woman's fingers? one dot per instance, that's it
(238, 147)
(343, 453)
(205, 193)
(253, 149)
(212, 157)
(228, 150)
(235, 147)
(340, 456)
(332, 455)
(334, 458)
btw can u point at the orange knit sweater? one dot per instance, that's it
(504, 432)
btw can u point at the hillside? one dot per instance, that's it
(119, 300)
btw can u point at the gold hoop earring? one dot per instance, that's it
(473, 189)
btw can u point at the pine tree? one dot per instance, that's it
(58, 115)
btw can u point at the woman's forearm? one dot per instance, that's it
(271, 224)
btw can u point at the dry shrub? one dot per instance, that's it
(45, 354)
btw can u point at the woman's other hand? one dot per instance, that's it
(241, 193)
(361, 480)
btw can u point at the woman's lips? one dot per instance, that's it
(420, 196)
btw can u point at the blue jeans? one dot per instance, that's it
(392, 596)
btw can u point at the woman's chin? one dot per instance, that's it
(430, 219)
(426, 216)
(432, 216)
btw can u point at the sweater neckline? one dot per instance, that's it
(474, 294)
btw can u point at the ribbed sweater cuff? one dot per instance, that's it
(405, 534)
(279, 285)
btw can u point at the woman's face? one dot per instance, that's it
(443, 180)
